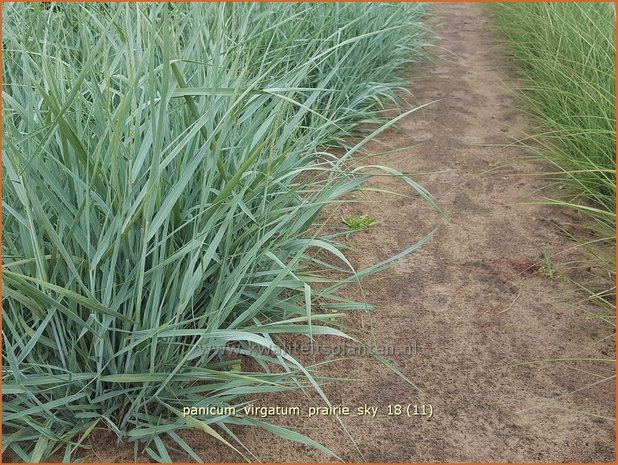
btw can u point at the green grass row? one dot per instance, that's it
(566, 53)
(163, 168)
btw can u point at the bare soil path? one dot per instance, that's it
(472, 302)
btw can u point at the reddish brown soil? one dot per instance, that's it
(474, 301)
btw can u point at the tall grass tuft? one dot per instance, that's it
(566, 53)
(163, 167)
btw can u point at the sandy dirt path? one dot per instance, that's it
(472, 303)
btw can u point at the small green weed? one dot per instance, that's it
(548, 268)
(359, 222)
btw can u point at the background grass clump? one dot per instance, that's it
(566, 54)
(163, 167)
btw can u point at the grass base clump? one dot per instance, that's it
(163, 164)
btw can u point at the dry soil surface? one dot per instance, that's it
(467, 312)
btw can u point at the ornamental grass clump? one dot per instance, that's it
(163, 165)
(566, 55)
